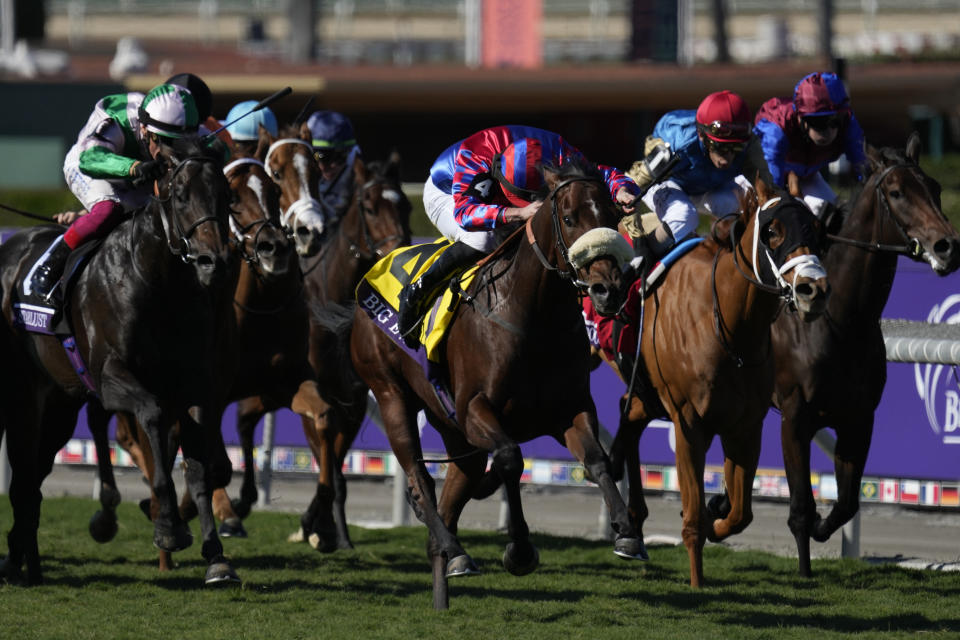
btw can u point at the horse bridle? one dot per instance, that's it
(567, 271)
(912, 248)
(374, 248)
(183, 250)
(306, 202)
(261, 224)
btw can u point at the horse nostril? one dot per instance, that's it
(303, 233)
(945, 247)
(804, 290)
(265, 248)
(206, 261)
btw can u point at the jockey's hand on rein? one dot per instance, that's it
(146, 172)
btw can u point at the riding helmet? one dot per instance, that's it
(248, 127)
(169, 110)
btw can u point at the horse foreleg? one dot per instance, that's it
(585, 447)
(103, 523)
(691, 460)
(625, 453)
(739, 469)
(850, 458)
(458, 485)
(317, 521)
(795, 437)
(349, 426)
(197, 471)
(249, 412)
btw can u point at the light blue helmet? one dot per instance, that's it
(247, 128)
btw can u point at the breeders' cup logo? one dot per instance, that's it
(937, 384)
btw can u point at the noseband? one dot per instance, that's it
(261, 224)
(374, 249)
(183, 248)
(567, 271)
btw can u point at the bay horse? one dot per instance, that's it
(145, 314)
(375, 223)
(518, 368)
(707, 353)
(831, 372)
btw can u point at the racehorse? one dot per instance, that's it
(289, 161)
(706, 350)
(831, 372)
(145, 314)
(518, 367)
(375, 223)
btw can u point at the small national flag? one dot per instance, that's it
(373, 464)
(889, 491)
(828, 487)
(653, 479)
(560, 473)
(815, 484)
(527, 474)
(949, 495)
(869, 490)
(930, 494)
(770, 486)
(712, 481)
(541, 472)
(910, 492)
(72, 453)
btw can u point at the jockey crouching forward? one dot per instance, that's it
(806, 133)
(112, 167)
(245, 132)
(712, 143)
(479, 189)
(335, 149)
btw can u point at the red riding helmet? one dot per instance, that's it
(724, 117)
(517, 170)
(820, 94)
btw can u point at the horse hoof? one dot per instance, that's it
(103, 526)
(221, 574)
(323, 544)
(240, 507)
(176, 540)
(297, 536)
(232, 528)
(462, 566)
(718, 507)
(520, 559)
(630, 549)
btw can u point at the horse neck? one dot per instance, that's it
(746, 309)
(337, 272)
(861, 279)
(544, 291)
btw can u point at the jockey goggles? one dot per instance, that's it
(724, 148)
(822, 123)
(329, 155)
(726, 132)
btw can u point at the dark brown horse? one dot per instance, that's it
(146, 314)
(518, 368)
(706, 347)
(375, 223)
(831, 372)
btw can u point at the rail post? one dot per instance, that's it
(265, 461)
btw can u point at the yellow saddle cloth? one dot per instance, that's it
(379, 291)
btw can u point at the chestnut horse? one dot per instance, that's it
(706, 349)
(146, 316)
(375, 223)
(518, 367)
(832, 372)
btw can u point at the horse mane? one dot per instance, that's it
(192, 147)
(573, 166)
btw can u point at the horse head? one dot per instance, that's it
(289, 161)
(377, 219)
(911, 199)
(255, 217)
(781, 240)
(587, 248)
(194, 200)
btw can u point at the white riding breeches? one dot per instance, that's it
(90, 191)
(439, 207)
(817, 193)
(679, 211)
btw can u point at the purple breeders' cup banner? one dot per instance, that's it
(916, 432)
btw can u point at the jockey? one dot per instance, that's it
(806, 133)
(712, 144)
(477, 192)
(335, 148)
(245, 132)
(113, 165)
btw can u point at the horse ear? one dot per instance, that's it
(550, 176)
(793, 184)
(874, 157)
(305, 133)
(360, 173)
(264, 140)
(764, 192)
(913, 147)
(391, 171)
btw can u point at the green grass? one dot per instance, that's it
(382, 590)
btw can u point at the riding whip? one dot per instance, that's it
(260, 105)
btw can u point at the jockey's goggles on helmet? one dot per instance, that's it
(726, 132)
(724, 148)
(824, 122)
(329, 155)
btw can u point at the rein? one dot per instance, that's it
(261, 224)
(912, 247)
(306, 203)
(184, 250)
(27, 214)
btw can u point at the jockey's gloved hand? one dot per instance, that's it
(147, 171)
(633, 270)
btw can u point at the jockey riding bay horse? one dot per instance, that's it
(518, 367)
(707, 356)
(146, 314)
(375, 222)
(832, 372)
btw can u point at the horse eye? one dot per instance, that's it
(895, 193)
(276, 174)
(567, 220)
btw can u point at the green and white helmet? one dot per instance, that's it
(169, 110)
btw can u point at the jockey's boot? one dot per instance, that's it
(651, 247)
(415, 295)
(45, 274)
